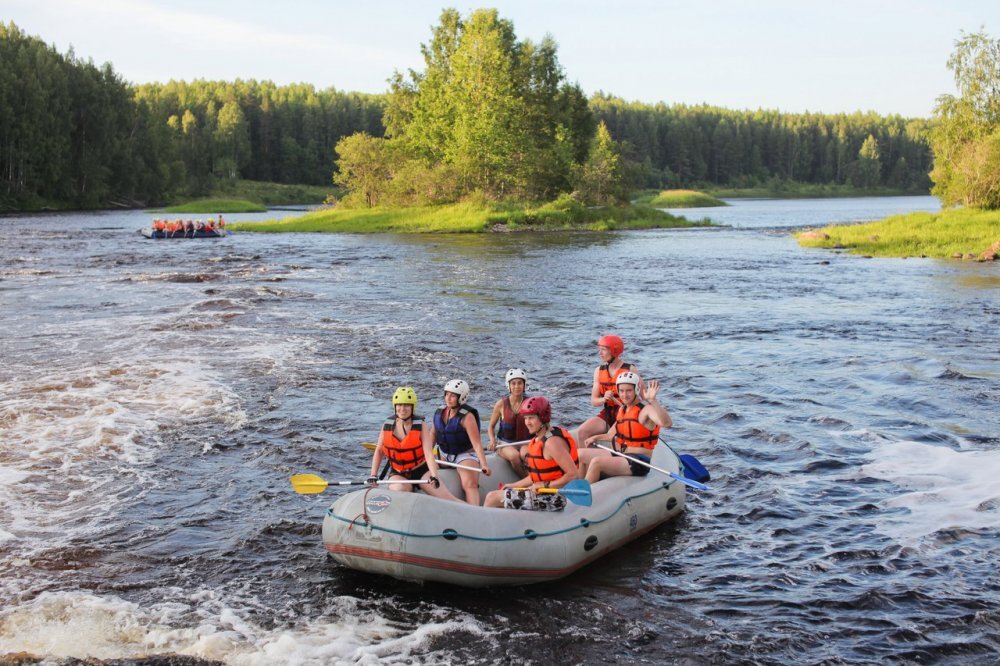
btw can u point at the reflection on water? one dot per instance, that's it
(155, 396)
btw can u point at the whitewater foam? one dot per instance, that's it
(940, 489)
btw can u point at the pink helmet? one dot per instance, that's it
(538, 406)
(614, 344)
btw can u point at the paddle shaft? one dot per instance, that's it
(672, 475)
(457, 465)
(521, 443)
(377, 483)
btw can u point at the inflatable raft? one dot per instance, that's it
(414, 536)
(150, 233)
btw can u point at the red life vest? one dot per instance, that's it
(541, 469)
(630, 432)
(405, 454)
(512, 428)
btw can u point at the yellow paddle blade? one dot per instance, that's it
(369, 445)
(308, 484)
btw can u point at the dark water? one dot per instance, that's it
(155, 396)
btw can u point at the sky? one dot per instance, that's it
(887, 56)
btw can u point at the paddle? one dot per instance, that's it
(457, 466)
(577, 492)
(677, 477)
(691, 466)
(521, 443)
(310, 484)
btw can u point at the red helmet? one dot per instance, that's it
(614, 344)
(538, 406)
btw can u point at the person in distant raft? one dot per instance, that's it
(455, 431)
(552, 461)
(405, 442)
(635, 432)
(512, 428)
(604, 393)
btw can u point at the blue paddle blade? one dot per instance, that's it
(688, 482)
(693, 469)
(578, 492)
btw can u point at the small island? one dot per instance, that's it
(474, 217)
(681, 199)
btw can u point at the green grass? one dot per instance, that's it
(472, 218)
(945, 234)
(217, 206)
(680, 199)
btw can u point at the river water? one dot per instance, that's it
(156, 395)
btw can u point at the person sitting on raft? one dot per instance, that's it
(604, 393)
(636, 432)
(552, 458)
(404, 441)
(455, 431)
(506, 415)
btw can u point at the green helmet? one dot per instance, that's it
(405, 395)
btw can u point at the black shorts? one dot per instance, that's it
(410, 474)
(636, 468)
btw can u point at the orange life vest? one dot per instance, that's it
(607, 381)
(630, 432)
(541, 469)
(405, 454)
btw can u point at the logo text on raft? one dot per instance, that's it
(377, 503)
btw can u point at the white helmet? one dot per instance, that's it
(516, 373)
(459, 387)
(628, 377)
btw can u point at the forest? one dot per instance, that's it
(74, 134)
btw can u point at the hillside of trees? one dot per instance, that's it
(74, 134)
(681, 146)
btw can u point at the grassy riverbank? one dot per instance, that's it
(680, 199)
(793, 190)
(472, 218)
(209, 206)
(962, 232)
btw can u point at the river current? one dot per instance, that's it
(155, 396)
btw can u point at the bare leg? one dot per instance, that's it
(441, 492)
(512, 454)
(470, 482)
(494, 499)
(609, 466)
(595, 425)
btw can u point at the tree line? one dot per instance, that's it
(680, 146)
(489, 114)
(73, 133)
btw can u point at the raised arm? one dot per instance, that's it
(654, 412)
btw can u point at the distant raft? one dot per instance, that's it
(414, 536)
(213, 233)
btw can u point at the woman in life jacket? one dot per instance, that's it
(552, 459)
(404, 442)
(604, 393)
(511, 423)
(455, 432)
(635, 432)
